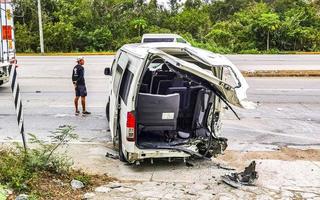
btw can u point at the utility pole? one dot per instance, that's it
(40, 27)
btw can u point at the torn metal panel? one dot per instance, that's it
(247, 177)
(234, 95)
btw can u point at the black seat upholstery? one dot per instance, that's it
(200, 113)
(170, 75)
(188, 99)
(144, 88)
(158, 112)
(182, 91)
(155, 82)
(164, 85)
(147, 77)
(192, 97)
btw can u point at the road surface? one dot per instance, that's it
(288, 110)
(276, 62)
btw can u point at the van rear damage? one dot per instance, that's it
(180, 111)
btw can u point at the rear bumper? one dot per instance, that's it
(141, 154)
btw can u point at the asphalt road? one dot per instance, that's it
(288, 111)
(276, 62)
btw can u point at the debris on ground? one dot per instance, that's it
(109, 155)
(89, 195)
(75, 184)
(102, 189)
(112, 154)
(189, 164)
(22, 197)
(222, 166)
(247, 177)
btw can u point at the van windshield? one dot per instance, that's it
(180, 40)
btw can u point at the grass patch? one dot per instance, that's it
(41, 172)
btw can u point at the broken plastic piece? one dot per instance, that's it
(111, 155)
(247, 177)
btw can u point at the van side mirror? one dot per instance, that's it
(107, 71)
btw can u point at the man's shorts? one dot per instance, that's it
(81, 91)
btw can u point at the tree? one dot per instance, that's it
(269, 22)
(139, 24)
(221, 26)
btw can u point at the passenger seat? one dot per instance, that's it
(160, 76)
(158, 112)
(182, 91)
(164, 85)
(200, 112)
(155, 82)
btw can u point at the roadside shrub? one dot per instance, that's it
(19, 167)
(250, 51)
(271, 51)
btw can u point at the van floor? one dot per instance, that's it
(157, 139)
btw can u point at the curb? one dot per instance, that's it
(282, 73)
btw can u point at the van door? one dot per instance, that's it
(234, 94)
(117, 70)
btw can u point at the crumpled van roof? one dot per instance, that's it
(141, 49)
(238, 98)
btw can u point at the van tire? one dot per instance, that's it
(121, 155)
(107, 111)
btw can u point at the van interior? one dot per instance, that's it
(172, 109)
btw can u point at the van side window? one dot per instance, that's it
(113, 66)
(117, 79)
(125, 85)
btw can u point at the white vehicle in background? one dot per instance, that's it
(7, 46)
(160, 37)
(166, 101)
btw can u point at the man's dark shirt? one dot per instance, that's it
(78, 75)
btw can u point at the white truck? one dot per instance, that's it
(7, 46)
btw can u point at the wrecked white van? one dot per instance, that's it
(166, 100)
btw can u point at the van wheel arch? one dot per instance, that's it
(108, 110)
(121, 155)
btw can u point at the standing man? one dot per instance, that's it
(79, 85)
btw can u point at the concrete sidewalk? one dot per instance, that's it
(175, 180)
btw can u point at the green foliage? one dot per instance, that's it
(222, 26)
(85, 179)
(18, 167)
(139, 25)
(3, 193)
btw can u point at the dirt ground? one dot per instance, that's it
(286, 173)
(238, 159)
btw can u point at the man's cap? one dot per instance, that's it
(80, 58)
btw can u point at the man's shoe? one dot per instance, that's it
(86, 113)
(77, 112)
